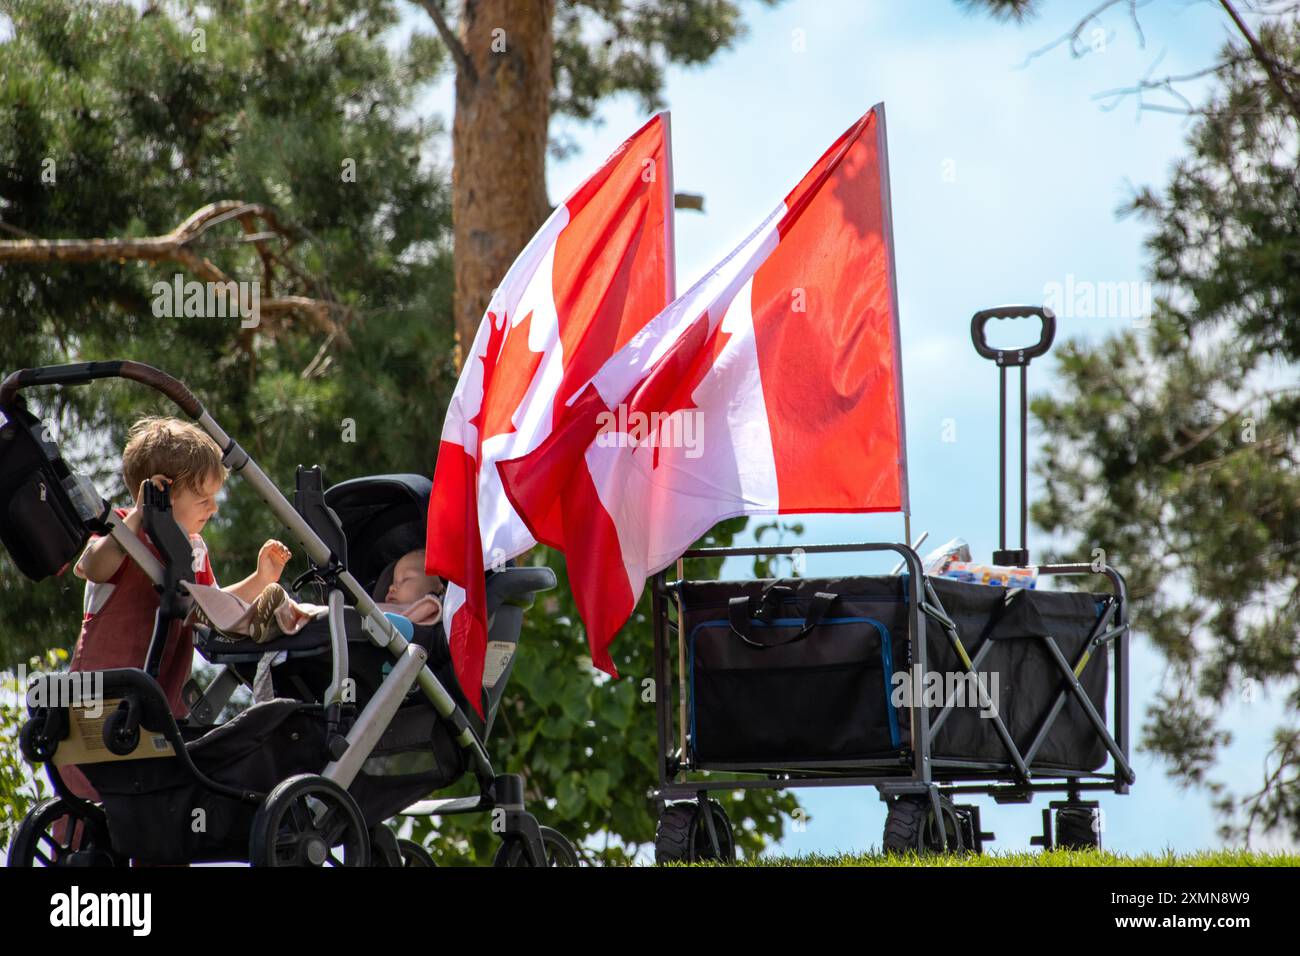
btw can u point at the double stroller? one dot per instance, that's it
(365, 722)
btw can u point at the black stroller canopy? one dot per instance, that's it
(383, 517)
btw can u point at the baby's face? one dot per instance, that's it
(409, 580)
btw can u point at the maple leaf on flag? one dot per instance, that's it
(671, 387)
(508, 356)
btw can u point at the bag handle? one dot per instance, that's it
(738, 611)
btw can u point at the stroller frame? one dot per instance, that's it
(497, 792)
(1007, 781)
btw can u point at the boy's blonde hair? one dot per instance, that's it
(180, 450)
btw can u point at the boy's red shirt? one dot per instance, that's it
(117, 629)
(119, 620)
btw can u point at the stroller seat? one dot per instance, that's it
(513, 587)
(218, 649)
(305, 673)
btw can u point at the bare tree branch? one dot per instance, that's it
(150, 248)
(1230, 417)
(458, 52)
(1073, 36)
(15, 231)
(1277, 72)
(1165, 84)
(177, 246)
(1133, 15)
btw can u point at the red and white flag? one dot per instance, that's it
(773, 386)
(597, 271)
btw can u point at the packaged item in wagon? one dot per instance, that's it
(938, 560)
(994, 575)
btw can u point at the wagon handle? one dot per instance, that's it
(1005, 358)
(1017, 356)
(738, 612)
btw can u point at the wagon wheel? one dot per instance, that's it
(910, 826)
(683, 834)
(1078, 828)
(308, 820)
(58, 832)
(514, 851)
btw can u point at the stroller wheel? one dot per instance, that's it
(683, 834)
(910, 826)
(514, 852)
(414, 855)
(33, 741)
(122, 731)
(308, 820)
(387, 850)
(60, 833)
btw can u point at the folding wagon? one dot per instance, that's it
(925, 687)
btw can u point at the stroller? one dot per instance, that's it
(364, 721)
(807, 682)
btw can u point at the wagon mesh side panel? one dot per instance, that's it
(1028, 678)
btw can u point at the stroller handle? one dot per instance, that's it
(1016, 356)
(82, 372)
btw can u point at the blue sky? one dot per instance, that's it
(1006, 176)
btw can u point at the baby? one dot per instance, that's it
(273, 612)
(410, 583)
(413, 594)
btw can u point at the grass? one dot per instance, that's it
(1035, 858)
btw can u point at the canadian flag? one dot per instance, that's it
(598, 270)
(773, 386)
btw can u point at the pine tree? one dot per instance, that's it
(1173, 448)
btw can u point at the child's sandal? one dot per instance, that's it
(262, 628)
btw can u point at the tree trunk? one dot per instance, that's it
(499, 141)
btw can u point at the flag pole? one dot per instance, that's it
(670, 214)
(670, 296)
(681, 663)
(887, 218)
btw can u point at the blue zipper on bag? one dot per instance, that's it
(886, 659)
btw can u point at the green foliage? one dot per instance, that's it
(1013, 10)
(1173, 448)
(769, 566)
(147, 120)
(20, 789)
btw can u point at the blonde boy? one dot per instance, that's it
(120, 601)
